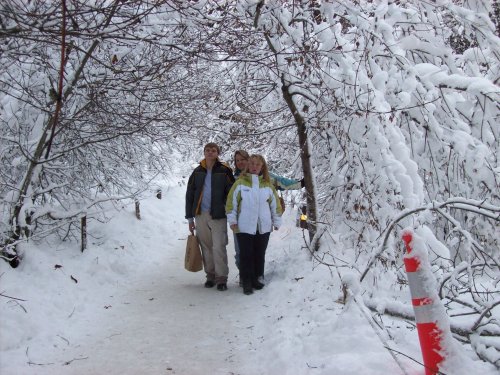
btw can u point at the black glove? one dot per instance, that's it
(302, 183)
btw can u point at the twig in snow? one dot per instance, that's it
(18, 304)
(74, 359)
(413, 359)
(33, 363)
(63, 338)
(17, 299)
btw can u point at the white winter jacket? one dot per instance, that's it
(253, 204)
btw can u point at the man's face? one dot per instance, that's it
(211, 153)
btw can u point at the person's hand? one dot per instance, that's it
(276, 228)
(192, 227)
(234, 227)
(302, 182)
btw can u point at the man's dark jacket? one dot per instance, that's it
(222, 180)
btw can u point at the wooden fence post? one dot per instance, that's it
(137, 210)
(83, 229)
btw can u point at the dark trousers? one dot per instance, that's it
(252, 254)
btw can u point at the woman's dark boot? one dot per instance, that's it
(256, 284)
(247, 287)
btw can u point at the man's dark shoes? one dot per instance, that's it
(247, 288)
(257, 285)
(209, 284)
(222, 287)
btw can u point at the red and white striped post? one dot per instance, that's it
(423, 300)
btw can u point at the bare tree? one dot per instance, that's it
(95, 95)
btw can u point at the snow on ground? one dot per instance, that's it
(127, 306)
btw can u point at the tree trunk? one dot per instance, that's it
(16, 229)
(305, 157)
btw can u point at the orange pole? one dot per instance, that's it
(429, 334)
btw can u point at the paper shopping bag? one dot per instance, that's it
(193, 261)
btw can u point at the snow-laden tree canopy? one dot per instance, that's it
(390, 110)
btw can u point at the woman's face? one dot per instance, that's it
(240, 162)
(254, 166)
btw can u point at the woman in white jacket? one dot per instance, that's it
(253, 210)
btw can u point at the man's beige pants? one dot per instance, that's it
(212, 235)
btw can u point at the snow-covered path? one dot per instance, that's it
(168, 323)
(135, 310)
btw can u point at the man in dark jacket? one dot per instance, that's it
(206, 195)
